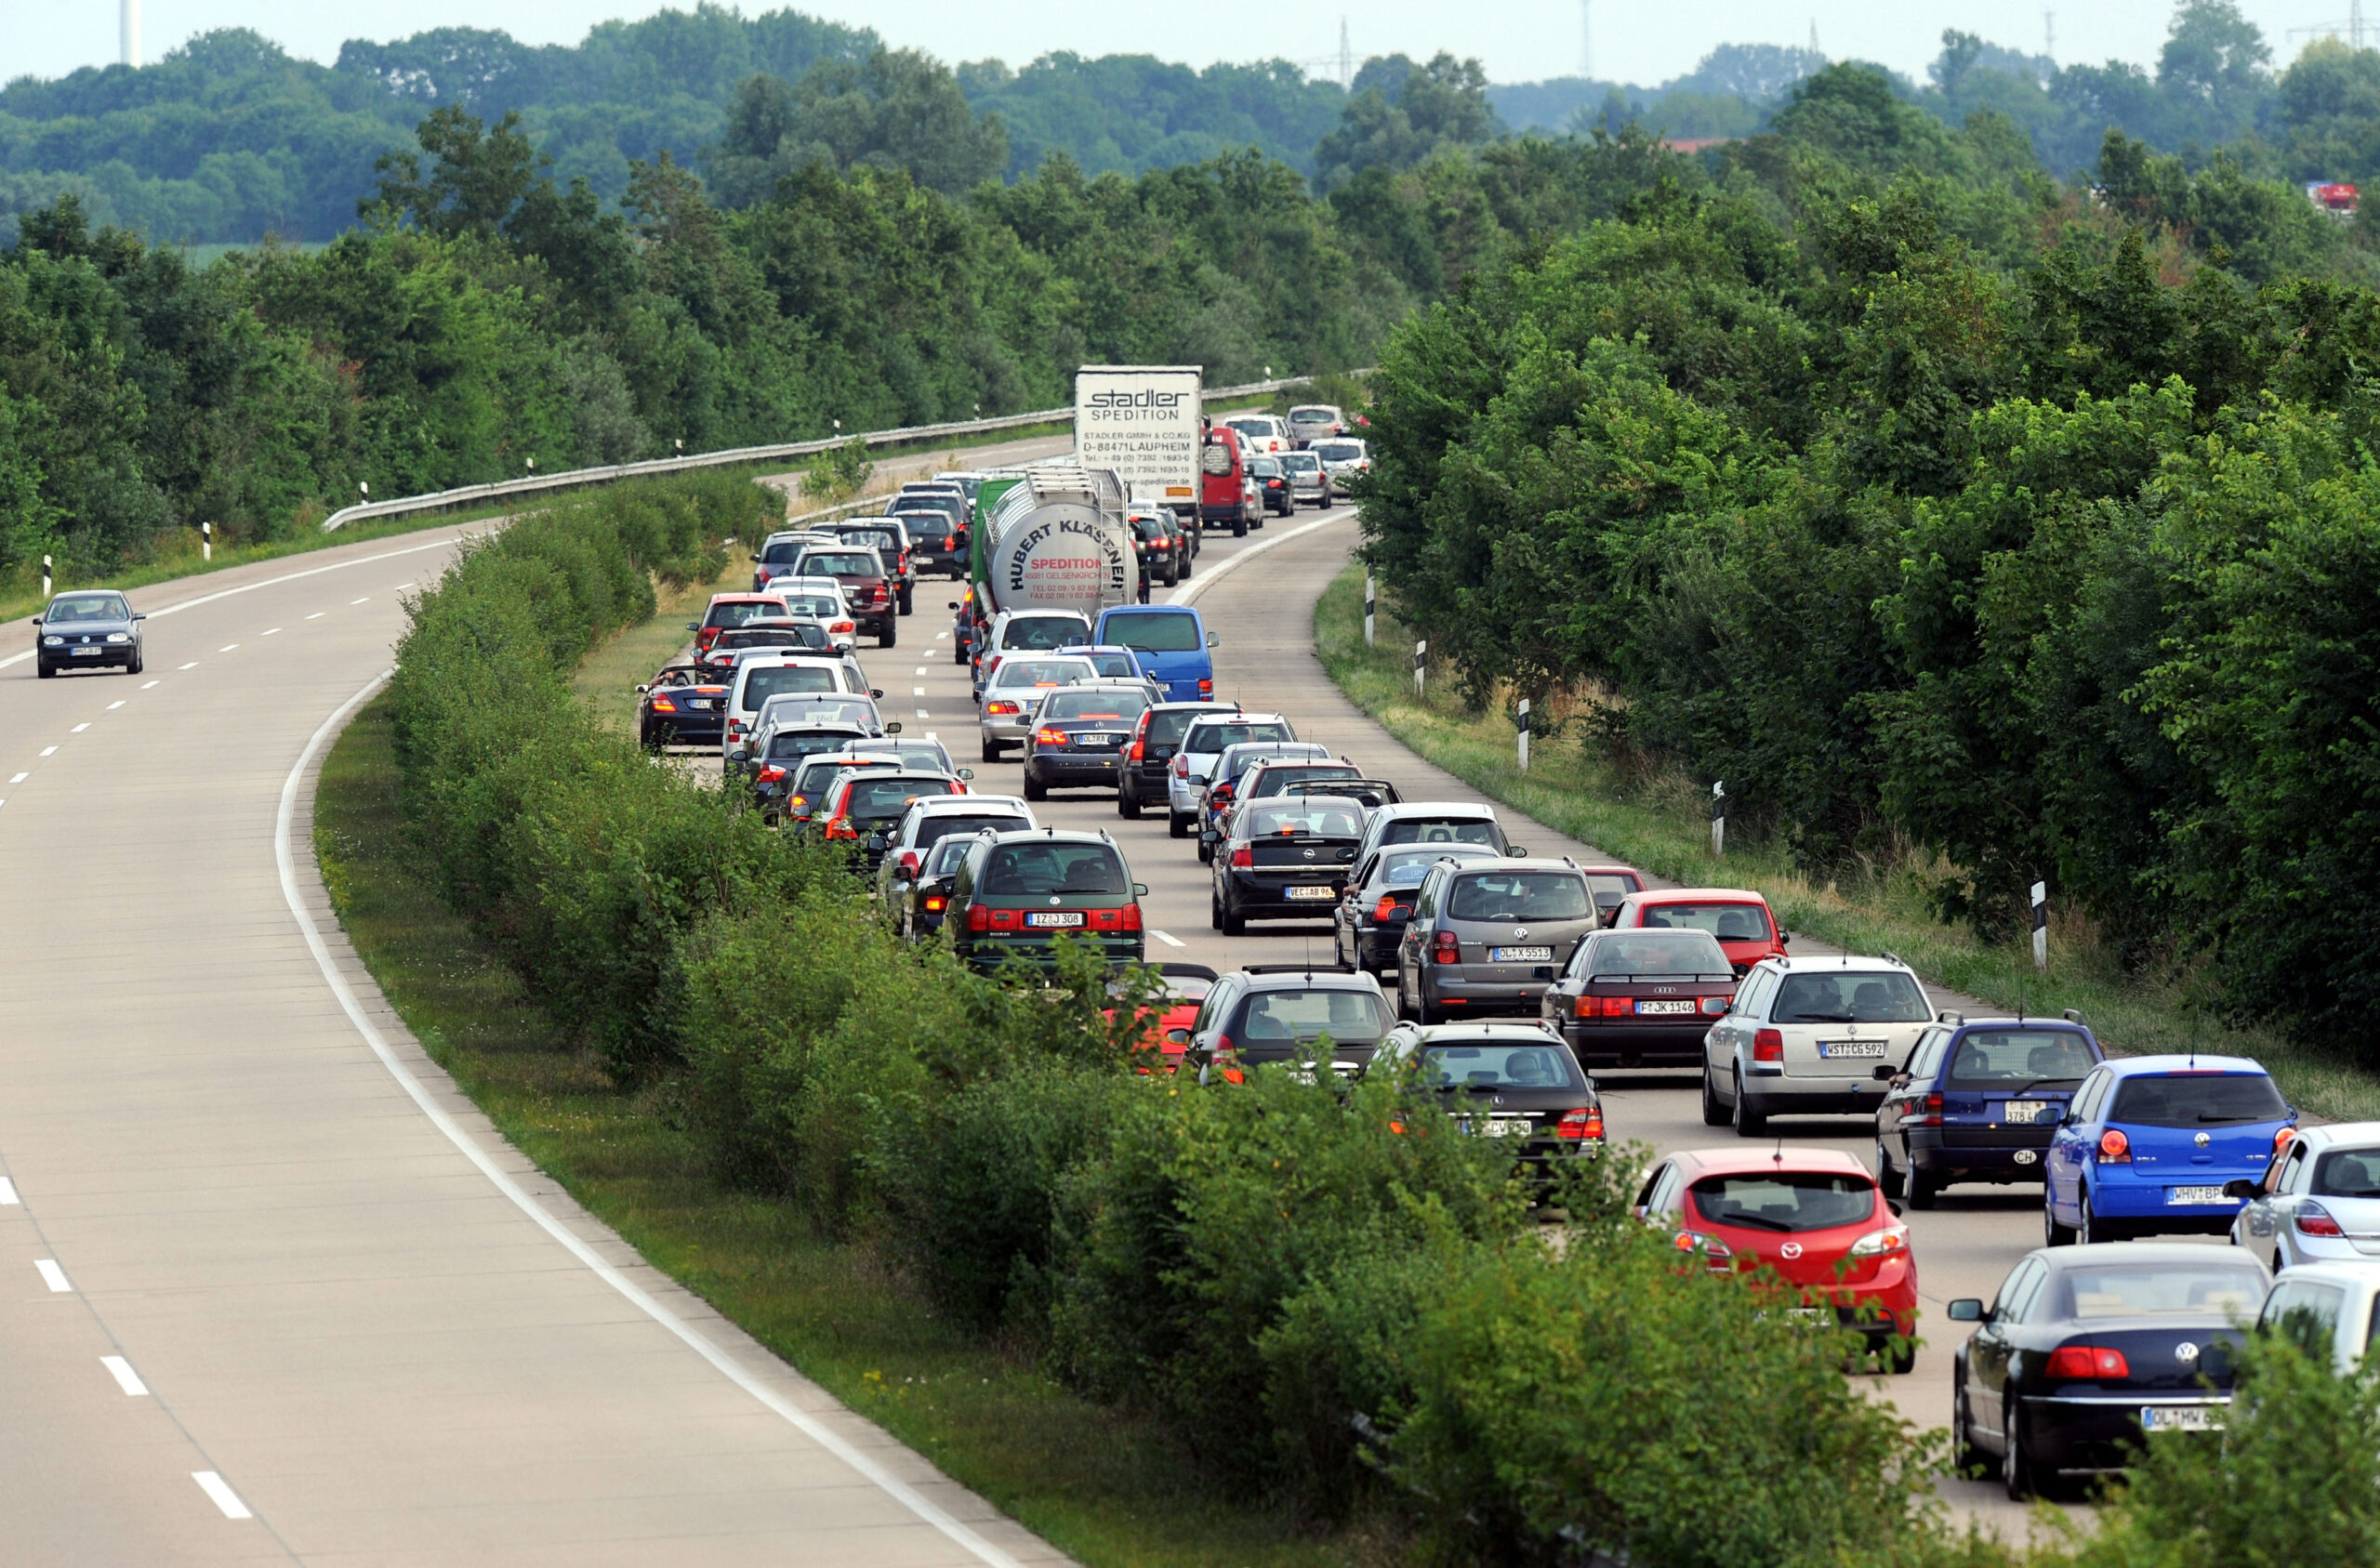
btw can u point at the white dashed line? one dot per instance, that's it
(49, 751)
(940, 635)
(119, 702)
(227, 648)
(51, 1274)
(353, 602)
(8, 1192)
(220, 1490)
(80, 728)
(921, 670)
(192, 664)
(275, 630)
(923, 714)
(146, 684)
(126, 1378)
(20, 777)
(1168, 937)
(917, 690)
(401, 588)
(318, 615)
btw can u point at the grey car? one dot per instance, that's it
(91, 630)
(1490, 936)
(1309, 486)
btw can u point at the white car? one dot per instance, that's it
(1434, 822)
(1342, 459)
(1262, 434)
(1209, 737)
(2319, 1202)
(935, 818)
(2327, 1310)
(1015, 689)
(1811, 1037)
(1038, 631)
(758, 679)
(820, 599)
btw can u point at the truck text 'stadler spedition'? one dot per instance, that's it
(1141, 422)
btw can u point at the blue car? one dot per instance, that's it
(1171, 643)
(2151, 1141)
(1979, 1101)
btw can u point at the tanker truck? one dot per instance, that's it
(1054, 535)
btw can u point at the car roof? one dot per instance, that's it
(1243, 715)
(1435, 808)
(1747, 1161)
(1052, 836)
(745, 597)
(957, 803)
(1843, 961)
(2100, 1253)
(2156, 1066)
(1029, 614)
(1697, 895)
(1484, 1029)
(2067, 1025)
(1307, 980)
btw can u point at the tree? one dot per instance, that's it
(1436, 107)
(898, 109)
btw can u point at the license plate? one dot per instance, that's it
(704, 703)
(1501, 1126)
(1099, 740)
(1055, 917)
(2023, 1112)
(1851, 1048)
(2181, 1417)
(2195, 1195)
(1520, 954)
(79, 653)
(1678, 1006)
(1309, 892)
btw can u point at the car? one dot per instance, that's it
(1809, 1224)
(1075, 735)
(680, 707)
(1370, 920)
(1152, 546)
(2086, 1350)
(1640, 998)
(1173, 643)
(727, 610)
(785, 633)
(820, 599)
(824, 707)
(1611, 884)
(889, 538)
(1140, 782)
(758, 679)
(1269, 1013)
(1437, 822)
(1313, 421)
(1809, 1037)
(795, 766)
(1112, 662)
(1262, 777)
(1979, 1101)
(866, 583)
(1308, 484)
(1490, 936)
(88, 630)
(1287, 859)
(777, 553)
(937, 520)
(1201, 747)
(1345, 459)
(1030, 631)
(804, 726)
(1513, 1081)
(2152, 1143)
(865, 807)
(1016, 893)
(2319, 1201)
(1739, 919)
(930, 819)
(1167, 1021)
(1223, 481)
(2327, 1310)
(1005, 718)
(923, 898)
(1272, 485)
(1180, 543)
(920, 754)
(1215, 796)
(1263, 434)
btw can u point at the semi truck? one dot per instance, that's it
(1054, 535)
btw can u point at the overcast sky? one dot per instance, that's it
(1518, 40)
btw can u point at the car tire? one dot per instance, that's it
(2093, 1227)
(1206, 853)
(1239, 526)
(958, 655)
(1233, 926)
(1900, 1356)
(888, 632)
(134, 668)
(45, 670)
(991, 751)
(1189, 559)
(1324, 505)
(1888, 1175)
(2017, 1474)
(2053, 1234)
(1749, 1122)
(1923, 1187)
(1176, 824)
(1034, 788)
(1965, 1456)
(1214, 910)
(1128, 805)
(908, 599)
(1714, 1113)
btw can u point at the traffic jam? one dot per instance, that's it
(1352, 922)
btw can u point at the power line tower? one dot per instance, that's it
(128, 32)
(1346, 58)
(1814, 39)
(2049, 36)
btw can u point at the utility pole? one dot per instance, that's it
(2049, 36)
(1814, 39)
(128, 32)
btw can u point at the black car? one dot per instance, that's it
(1077, 736)
(681, 707)
(1979, 1103)
(1141, 781)
(1248, 779)
(926, 899)
(1287, 859)
(1272, 485)
(1273, 1012)
(1513, 1081)
(1641, 999)
(2087, 1347)
(1154, 544)
(774, 631)
(937, 525)
(97, 630)
(1370, 918)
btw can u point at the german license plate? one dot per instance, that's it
(2194, 1196)
(2181, 1417)
(702, 703)
(1304, 893)
(1520, 954)
(79, 653)
(1046, 917)
(2023, 1112)
(1099, 740)
(1832, 1049)
(1681, 1006)
(1506, 1126)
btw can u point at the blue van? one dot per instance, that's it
(1979, 1100)
(1171, 643)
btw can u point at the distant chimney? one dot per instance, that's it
(128, 30)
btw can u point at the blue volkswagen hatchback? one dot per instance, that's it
(2151, 1140)
(1979, 1101)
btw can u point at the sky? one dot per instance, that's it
(1517, 40)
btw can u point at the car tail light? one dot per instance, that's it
(840, 827)
(844, 626)
(1007, 920)
(978, 917)
(771, 774)
(1931, 1115)
(1715, 1004)
(2115, 1148)
(663, 704)
(1695, 1241)
(1385, 909)
(1449, 949)
(2087, 1362)
(1584, 1123)
(934, 903)
(1206, 689)
(1244, 858)
(1132, 921)
(1218, 794)
(1049, 737)
(2281, 1137)
(1181, 767)
(1140, 741)
(1001, 707)
(909, 864)
(2313, 1220)
(1882, 1243)
(1768, 1045)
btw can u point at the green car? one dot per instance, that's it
(1016, 893)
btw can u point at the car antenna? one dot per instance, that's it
(1779, 1155)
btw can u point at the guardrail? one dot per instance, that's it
(571, 478)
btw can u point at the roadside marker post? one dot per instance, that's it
(1718, 819)
(1371, 602)
(1520, 721)
(45, 577)
(1420, 660)
(2041, 926)
(206, 541)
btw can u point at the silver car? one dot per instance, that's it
(1016, 691)
(2319, 1201)
(1489, 936)
(1308, 484)
(1811, 1037)
(1208, 738)
(1343, 457)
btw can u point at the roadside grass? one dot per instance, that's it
(1095, 1482)
(608, 677)
(1662, 826)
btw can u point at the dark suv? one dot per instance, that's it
(1141, 781)
(937, 523)
(1489, 936)
(1270, 1012)
(867, 586)
(86, 631)
(1979, 1101)
(1016, 893)
(889, 538)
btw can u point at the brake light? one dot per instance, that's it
(1931, 1116)
(1385, 909)
(1695, 1241)
(1133, 916)
(1882, 1243)
(734, 727)
(2090, 1362)
(1244, 858)
(1584, 1123)
(842, 626)
(1449, 949)
(2313, 1220)
(1219, 792)
(663, 704)
(978, 917)
(840, 827)
(909, 864)
(1206, 689)
(934, 903)
(1140, 746)
(771, 774)
(2115, 1148)
(1181, 767)
(1768, 1045)
(1001, 707)
(1049, 737)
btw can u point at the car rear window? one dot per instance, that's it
(2348, 1173)
(1044, 631)
(1997, 1057)
(841, 563)
(1033, 870)
(1407, 871)
(1211, 736)
(2145, 1290)
(1300, 462)
(737, 615)
(1041, 672)
(1101, 703)
(1310, 818)
(1498, 1065)
(814, 605)
(803, 708)
(1657, 953)
(1728, 922)
(1278, 1017)
(1425, 830)
(1337, 451)
(1519, 895)
(774, 680)
(934, 830)
(888, 797)
(1786, 1200)
(875, 539)
(2192, 1099)
(809, 742)
(784, 550)
(1114, 666)
(1161, 632)
(1850, 997)
(1609, 888)
(1167, 729)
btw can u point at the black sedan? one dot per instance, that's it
(1285, 858)
(1077, 737)
(924, 901)
(91, 630)
(794, 634)
(1513, 1082)
(2088, 1348)
(679, 706)
(1370, 918)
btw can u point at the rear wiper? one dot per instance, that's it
(2204, 1117)
(1760, 1220)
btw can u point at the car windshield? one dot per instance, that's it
(1427, 830)
(1039, 870)
(1728, 922)
(2190, 1100)
(1033, 632)
(1212, 737)
(1167, 729)
(1041, 672)
(737, 615)
(888, 797)
(839, 564)
(1100, 703)
(934, 829)
(775, 681)
(1279, 1017)
(1850, 997)
(1519, 895)
(1310, 818)
(1657, 953)
(2146, 1290)
(86, 607)
(1786, 1200)
(1498, 1065)
(1999, 1058)
(1165, 631)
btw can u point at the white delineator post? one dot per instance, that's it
(45, 577)
(2041, 926)
(1718, 818)
(1521, 719)
(206, 541)
(1371, 602)
(1421, 660)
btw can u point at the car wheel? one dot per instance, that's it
(2053, 1234)
(1214, 910)
(43, 670)
(1714, 1114)
(1176, 824)
(1887, 1173)
(2016, 1467)
(1968, 1458)
(1326, 503)
(1239, 526)
(958, 655)
(888, 632)
(1182, 572)
(1128, 805)
(1900, 1355)
(2093, 1227)
(1233, 926)
(1923, 1186)
(991, 751)
(134, 668)
(1749, 1122)
(1206, 853)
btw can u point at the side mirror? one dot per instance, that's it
(876, 691)
(693, 625)
(756, 561)
(952, 605)
(741, 754)
(1965, 1309)
(641, 690)
(1515, 852)
(2243, 1187)
(876, 842)
(140, 615)
(1213, 640)
(1140, 890)
(967, 775)
(893, 727)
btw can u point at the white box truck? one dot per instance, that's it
(1143, 422)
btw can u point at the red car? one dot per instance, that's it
(1223, 479)
(1741, 921)
(1185, 990)
(732, 610)
(1814, 1218)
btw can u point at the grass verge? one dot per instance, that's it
(1662, 826)
(1097, 1483)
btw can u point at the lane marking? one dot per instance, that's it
(192, 664)
(126, 1378)
(353, 602)
(1168, 937)
(917, 690)
(317, 615)
(401, 588)
(923, 714)
(19, 778)
(51, 1274)
(49, 751)
(694, 1339)
(272, 633)
(119, 702)
(84, 725)
(227, 648)
(146, 684)
(218, 1489)
(1215, 573)
(8, 1192)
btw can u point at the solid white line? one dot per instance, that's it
(215, 1487)
(8, 1191)
(119, 702)
(694, 1339)
(51, 1274)
(227, 648)
(126, 1378)
(1168, 937)
(146, 684)
(49, 751)
(1185, 595)
(80, 728)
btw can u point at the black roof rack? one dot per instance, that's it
(1297, 968)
